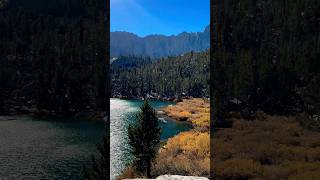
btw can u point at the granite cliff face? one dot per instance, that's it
(156, 46)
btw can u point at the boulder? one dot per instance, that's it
(175, 177)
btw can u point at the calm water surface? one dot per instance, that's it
(57, 149)
(46, 149)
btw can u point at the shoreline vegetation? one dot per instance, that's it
(188, 152)
(193, 110)
(47, 114)
(284, 148)
(153, 97)
(266, 147)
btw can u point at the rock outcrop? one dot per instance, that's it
(175, 177)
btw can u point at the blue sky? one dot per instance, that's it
(168, 17)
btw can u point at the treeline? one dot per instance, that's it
(53, 58)
(266, 56)
(173, 77)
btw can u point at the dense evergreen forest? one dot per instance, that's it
(266, 57)
(53, 56)
(166, 78)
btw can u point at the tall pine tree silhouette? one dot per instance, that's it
(144, 136)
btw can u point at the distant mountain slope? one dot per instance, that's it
(170, 77)
(155, 46)
(125, 62)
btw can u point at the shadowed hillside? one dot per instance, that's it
(156, 46)
(52, 57)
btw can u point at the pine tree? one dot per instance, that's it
(144, 137)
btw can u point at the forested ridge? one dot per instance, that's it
(53, 56)
(166, 78)
(266, 56)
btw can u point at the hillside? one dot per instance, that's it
(273, 67)
(52, 62)
(172, 78)
(155, 46)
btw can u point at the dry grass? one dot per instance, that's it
(185, 154)
(269, 148)
(193, 110)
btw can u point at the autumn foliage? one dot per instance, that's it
(272, 147)
(194, 110)
(185, 154)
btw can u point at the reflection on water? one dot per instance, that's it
(122, 114)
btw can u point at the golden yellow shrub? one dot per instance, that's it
(186, 153)
(202, 121)
(194, 110)
(192, 143)
(184, 114)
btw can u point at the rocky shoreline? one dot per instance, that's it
(150, 97)
(92, 115)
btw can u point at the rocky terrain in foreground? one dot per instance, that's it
(176, 177)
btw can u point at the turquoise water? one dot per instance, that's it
(46, 149)
(57, 149)
(122, 114)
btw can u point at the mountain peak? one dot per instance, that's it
(157, 46)
(207, 29)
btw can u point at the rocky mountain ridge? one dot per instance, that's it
(157, 46)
